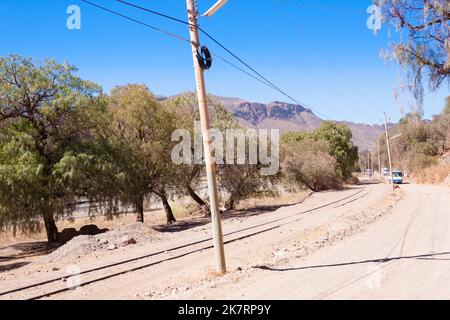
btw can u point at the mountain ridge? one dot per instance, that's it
(290, 117)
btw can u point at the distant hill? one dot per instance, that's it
(292, 118)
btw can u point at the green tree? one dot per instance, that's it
(339, 146)
(340, 139)
(185, 107)
(292, 137)
(242, 182)
(47, 158)
(309, 163)
(143, 128)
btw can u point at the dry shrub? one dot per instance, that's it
(438, 173)
(281, 200)
(353, 180)
(308, 163)
(418, 161)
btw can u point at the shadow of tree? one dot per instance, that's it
(19, 252)
(225, 215)
(12, 266)
(183, 225)
(28, 249)
(70, 233)
(24, 250)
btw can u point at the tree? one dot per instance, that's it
(424, 45)
(46, 148)
(364, 157)
(185, 106)
(419, 143)
(340, 139)
(447, 106)
(242, 182)
(292, 137)
(143, 128)
(341, 146)
(308, 162)
(440, 127)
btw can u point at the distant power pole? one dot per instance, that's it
(388, 149)
(371, 162)
(367, 164)
(379, 161)
(204, 119)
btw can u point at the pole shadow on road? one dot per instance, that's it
(428, 256)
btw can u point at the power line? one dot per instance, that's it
(262, 80)
(178, 37)
(137, 21)
(240, 69)
(275, 87)
(330, 63)
(154, 12)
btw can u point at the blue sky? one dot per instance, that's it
(320, 52)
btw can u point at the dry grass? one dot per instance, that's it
(181, 210)
(184, 211)
(283, 199)
(151, 218)
(436, 174)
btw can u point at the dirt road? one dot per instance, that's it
(404, 256)
(362, 242)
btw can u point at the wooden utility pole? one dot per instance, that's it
(379, 162)
(388, 149)
(204, 119)
(367, 163)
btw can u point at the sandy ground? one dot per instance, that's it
(257, 245)
(405, 255)
(24, 249)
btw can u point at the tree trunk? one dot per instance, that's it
(169, 214)
(195, 196)
(140, 210)
(50, 228)
(204, 206)
(230, 204)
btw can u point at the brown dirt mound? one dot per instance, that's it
(82, 245)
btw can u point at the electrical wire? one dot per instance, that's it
(137, 21)
(154, 12)
(240, 69)
(329, 62)
(171, 34)
(261, 78)
(272, 85)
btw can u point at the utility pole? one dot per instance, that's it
(388, 149)
(204, 119)
(379, 161)
(367, 164)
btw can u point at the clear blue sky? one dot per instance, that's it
(320, 52)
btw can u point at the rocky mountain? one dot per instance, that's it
(293, 118)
